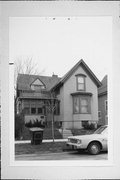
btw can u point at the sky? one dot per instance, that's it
(57, 44)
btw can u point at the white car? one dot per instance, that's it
(94, 143)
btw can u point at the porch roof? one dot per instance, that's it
(33, 97)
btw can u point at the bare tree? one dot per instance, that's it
(25, 66)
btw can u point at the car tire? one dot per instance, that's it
(94, 148)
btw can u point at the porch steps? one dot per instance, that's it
(66, 133)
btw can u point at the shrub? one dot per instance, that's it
(88, 126)
(29, 124)
(36, 123)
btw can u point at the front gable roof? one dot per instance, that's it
(87, 70)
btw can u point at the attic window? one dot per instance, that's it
(80, 82)
(37, 85)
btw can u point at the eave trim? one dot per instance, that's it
(81, 93)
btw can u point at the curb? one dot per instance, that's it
(44, 141)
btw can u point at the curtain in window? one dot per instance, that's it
(81, 83)
(81, 105)
(84, 105)
(76, 104)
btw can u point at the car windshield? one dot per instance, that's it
(100, 130)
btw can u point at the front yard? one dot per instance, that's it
(47, 133)
(45, 147)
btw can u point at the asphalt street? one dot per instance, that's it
(71, 155)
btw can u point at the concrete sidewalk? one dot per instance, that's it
(43, 141)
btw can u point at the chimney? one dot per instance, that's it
(54, 76)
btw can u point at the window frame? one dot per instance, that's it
(84, 82)
(41, 86)
(84, 98)
(27, 111)
(33, 87)
(88, 98)
(35, 111)
(106, 106)
(57, 109)
(38, 110)
(74, 106)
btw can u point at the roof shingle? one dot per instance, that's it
(24, 81)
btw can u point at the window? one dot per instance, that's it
(37, 85)
(34, 107)
(40, 111)
(33, 110)
(81, 105)
(26, 107)
(80, 82)
(26, 110)
(76, 105)
(106, 119)
(57, 109)
(106, 105)
(99, 114)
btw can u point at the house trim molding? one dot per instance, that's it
(81, 93)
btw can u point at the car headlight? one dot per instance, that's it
(79, 141)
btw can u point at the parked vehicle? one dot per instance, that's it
(93, 143)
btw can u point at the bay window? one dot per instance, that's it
(76, 105)
(81, 105)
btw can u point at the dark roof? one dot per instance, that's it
(71, 71)
(103, 89)
(24, 81)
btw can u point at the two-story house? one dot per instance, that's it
(77, 92)
(34, 96)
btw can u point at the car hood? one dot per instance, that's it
(86, 136)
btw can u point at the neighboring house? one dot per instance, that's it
(33, 93)
(0, 99)
(0, 103)
(77, 92)
(103, 103)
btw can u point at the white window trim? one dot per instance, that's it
(84, 82)
(106, 109)
(88, 105)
